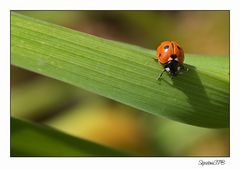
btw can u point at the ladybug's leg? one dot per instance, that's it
(160, 75)
(155, 59)
(184, 68)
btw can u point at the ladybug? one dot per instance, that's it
(171, 55)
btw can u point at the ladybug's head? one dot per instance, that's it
(172, 66)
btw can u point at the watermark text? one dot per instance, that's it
(213, 162)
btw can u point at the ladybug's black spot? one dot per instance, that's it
(166, 47)
(178, 47)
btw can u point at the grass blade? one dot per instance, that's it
(123, 72)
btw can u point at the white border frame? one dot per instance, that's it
(117, 163)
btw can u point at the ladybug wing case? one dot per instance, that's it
(164, 52)
(180, 53)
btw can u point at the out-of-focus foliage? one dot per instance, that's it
(28, 139)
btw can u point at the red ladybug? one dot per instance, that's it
(171, 55)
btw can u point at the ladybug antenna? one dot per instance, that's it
(160, 75)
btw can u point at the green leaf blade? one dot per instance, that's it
(124, 72)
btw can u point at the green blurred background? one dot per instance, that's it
(104, 121)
